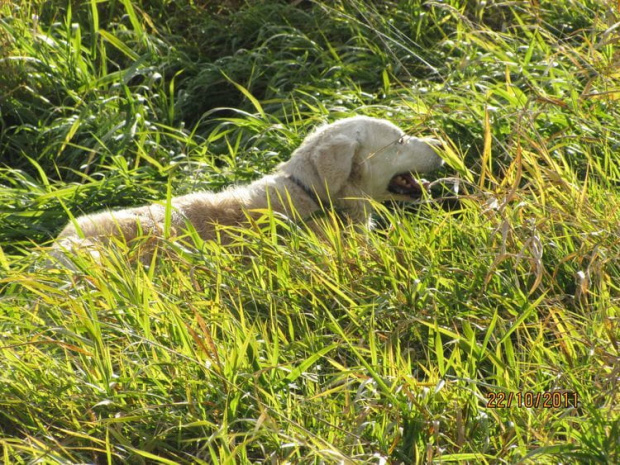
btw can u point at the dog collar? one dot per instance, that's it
(322, 211)
(309, 192)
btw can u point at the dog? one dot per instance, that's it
(342, 166)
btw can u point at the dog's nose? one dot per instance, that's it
(438, 147)
(436, 143)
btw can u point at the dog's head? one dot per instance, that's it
(372, 155)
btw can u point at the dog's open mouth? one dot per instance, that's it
(405, 184)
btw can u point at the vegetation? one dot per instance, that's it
(378, 348)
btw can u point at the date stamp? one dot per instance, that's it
(530, 399)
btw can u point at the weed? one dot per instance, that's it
(282, 347)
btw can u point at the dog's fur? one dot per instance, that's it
(341, 165)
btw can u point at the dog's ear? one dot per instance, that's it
(333, 160)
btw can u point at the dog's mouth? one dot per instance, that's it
(405, 184)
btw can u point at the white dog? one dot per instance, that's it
(340, 166)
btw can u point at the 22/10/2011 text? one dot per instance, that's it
(530, 399)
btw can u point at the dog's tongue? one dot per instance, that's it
(405, 184)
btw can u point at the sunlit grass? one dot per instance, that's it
(284, 346)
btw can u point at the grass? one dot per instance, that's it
(378, 348)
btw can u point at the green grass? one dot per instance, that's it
(378, 348)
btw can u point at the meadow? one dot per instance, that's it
(479, 326)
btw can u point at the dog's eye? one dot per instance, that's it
(401, 141)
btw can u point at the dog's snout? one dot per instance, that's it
(438, 146)
(435, 143)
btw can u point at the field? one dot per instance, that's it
(472, 328)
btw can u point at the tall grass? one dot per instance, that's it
(283, 347)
